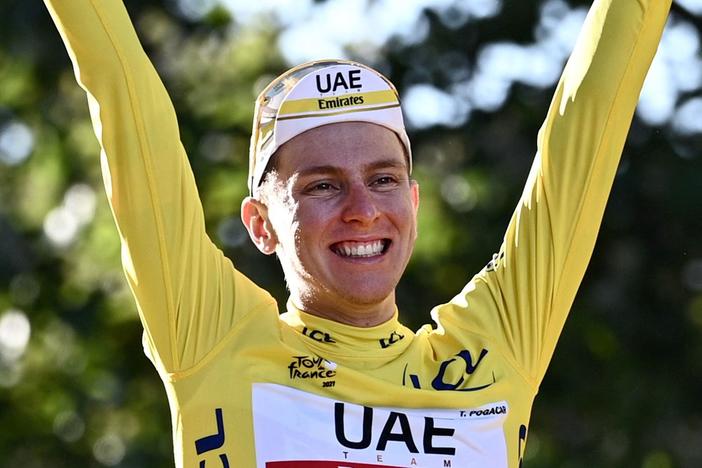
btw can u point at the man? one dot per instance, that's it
(337, 381)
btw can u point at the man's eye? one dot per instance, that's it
(384, 181)
(320, 187)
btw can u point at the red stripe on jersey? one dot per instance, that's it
(322, 464)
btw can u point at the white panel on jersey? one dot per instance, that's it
(295, 429)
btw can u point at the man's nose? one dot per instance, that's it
(360, 205)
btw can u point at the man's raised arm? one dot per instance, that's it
(183, 285)
(522, 298)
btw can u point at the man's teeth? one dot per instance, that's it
(369, 249)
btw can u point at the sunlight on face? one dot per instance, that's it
(344, 212)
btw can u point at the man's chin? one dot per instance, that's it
(348, 293)
(365, 296)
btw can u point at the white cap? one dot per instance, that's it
(320, 93)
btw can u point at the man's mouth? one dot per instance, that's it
(361, 249)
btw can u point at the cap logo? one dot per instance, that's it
(348, 81)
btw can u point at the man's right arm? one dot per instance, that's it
(184, 286)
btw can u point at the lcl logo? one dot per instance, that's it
(464, 358)
(213, 442)
(391, 340)
(317, 335)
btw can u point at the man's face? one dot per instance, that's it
(344, 214)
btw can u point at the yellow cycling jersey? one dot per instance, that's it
(251, 388)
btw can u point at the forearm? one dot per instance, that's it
(132, 115)
(581, 141)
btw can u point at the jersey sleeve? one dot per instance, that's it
(188, 294)
(520, 301)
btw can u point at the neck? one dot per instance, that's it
(343, 311)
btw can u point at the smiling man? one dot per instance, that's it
(341, 213)
(336, 380)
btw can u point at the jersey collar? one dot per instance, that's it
(334, 340)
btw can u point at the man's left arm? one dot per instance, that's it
(521, 300)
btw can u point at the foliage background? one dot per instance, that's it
(75, 388)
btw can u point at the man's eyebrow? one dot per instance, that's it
(330, 169)
(321, 169)
(387, 164)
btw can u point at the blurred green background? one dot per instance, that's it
(625, 386)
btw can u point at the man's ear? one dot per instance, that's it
(414, 188)
(254, 215)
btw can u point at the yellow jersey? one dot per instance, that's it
(249, 387)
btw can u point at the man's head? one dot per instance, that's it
(337, 205)
(315, 94)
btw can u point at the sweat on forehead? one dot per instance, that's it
(316, 94)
